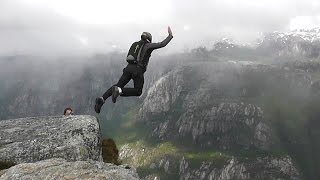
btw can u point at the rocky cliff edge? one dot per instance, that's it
(56, 147)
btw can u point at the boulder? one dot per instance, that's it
(26, 140)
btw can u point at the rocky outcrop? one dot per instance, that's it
(61, 169)
(56, 147)
(259, 168)
(74, 138)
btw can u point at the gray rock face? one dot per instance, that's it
(216, 103)
(259, 168)
(164, 93)
(74, 138)
(61, 169)
(227, 124)
(225, 105)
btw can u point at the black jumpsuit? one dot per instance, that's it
(136, 71)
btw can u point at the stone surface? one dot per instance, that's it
(74, 138)
(61, 169)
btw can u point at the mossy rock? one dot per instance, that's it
(110, 152)
(6, 164)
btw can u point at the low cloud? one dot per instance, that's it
(31, 28)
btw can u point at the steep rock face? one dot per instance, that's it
(164, 93)
(74, 138)
(216, 103)
(244, 121)
(304, 42)
(61, 169)
(260, 168)
(228, 106)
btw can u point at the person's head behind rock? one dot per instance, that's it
(68, 111)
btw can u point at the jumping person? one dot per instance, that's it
(138, 59)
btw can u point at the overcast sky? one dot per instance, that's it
(77, 27)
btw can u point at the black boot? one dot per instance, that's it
(99, 103)
(115, 93)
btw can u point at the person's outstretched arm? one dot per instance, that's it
(163, 43)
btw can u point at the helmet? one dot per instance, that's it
(146, 36)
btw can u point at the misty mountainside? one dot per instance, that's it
(300, 44)
(303, 42)
(39, 86)
(226, 112)
(47, 84)
(55, 147)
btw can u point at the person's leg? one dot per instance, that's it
(138, 81)
(124, 79)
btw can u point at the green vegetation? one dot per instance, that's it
(218, 159)
(146, 171)
(145, 153)
(83, 151)
(253, 153)
(124, 126)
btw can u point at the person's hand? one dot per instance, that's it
(169, 31)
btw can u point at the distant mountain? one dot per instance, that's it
(225, 43)
(303, 42)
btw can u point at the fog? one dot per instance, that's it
(59, 28)
(64, 53)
